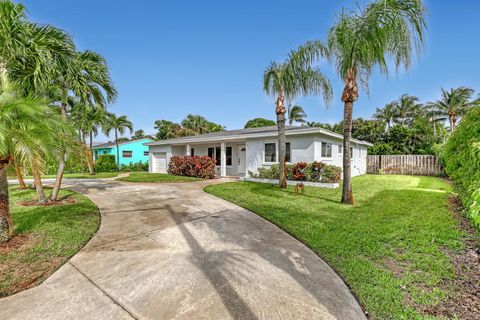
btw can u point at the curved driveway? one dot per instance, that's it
(171, 251)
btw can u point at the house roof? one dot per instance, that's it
(250, 133)
(111, 144)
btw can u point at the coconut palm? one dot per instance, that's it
(407, 109)
(293, 77)
(382, 31)
(387, 114)
(453, 104)
(295, 114)
(118, 125)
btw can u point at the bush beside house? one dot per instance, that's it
(311, 172)
(106, 163)
(462, 160)
(192, 166)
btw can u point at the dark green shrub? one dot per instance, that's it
(462, 160)
(135, 167)
(106, 163)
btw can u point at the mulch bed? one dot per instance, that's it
(61, 202)
(14, 243)
(466, 305)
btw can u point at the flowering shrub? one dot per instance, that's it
(196, 166)
(302, 171)
(135, 166)
(298, 171)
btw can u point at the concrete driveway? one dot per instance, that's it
(171, 251)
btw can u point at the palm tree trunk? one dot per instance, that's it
(435, 130)
(61, 160)
(38, 186)
(21, 182)
(90, 154)
(453, 122)
(280, 111)
(349, 95)
(118, 151)
(6, 226)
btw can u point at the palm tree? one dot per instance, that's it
(383, 30)
(87, 119)
(86, 74)
(119, 125)
(25, 132)
(295, 114)
(407, 108)
(387, 114)
(453, 104)
(293, 77)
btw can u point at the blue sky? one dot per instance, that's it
(171, 58)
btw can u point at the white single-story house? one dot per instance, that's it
(239, 151)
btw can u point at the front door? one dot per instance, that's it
(241, 154)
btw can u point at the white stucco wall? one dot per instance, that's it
(304, 148)
(307, 148)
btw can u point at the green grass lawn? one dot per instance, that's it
(46, 237)
(390, 247)
(156, 177)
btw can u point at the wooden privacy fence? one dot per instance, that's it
(425, 165)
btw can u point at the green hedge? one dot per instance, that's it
(313, 172)
(106, 163)
(462, 160)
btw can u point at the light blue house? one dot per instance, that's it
(129, 151)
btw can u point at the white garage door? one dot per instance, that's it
(160, 162)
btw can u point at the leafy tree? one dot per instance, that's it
(118, 125)
(138, 134)
(361, 40)
(259, 122)
(295, 114)
(453, 104)
(286, 80)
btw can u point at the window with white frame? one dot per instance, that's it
(340, 149)
(326, 150)
(127, 154)
(351, 153)
(270, 152)
(145, 153)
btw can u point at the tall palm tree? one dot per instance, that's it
(88, 119)
(407, 108)
(118, 125)
(295, 114)
(384, 30)
(453, 104)
(86, 74)
(293, 77)
(387, 114)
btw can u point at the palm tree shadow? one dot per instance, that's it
(217, 271)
